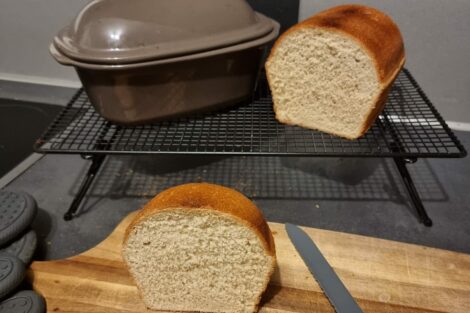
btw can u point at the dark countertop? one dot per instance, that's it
(361, 196)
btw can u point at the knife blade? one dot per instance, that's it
(332, 286)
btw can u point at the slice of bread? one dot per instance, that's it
(332, 72)
(200, 247)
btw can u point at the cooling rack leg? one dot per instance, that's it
(405, 175)
(96, 161)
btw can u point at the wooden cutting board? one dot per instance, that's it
(384, 276)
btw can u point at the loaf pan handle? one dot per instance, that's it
(62, 59)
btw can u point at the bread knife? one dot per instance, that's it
(335, 291)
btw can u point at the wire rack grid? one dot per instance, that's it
(410, 126)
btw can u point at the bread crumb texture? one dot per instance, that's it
(197, 260)
(323, 79)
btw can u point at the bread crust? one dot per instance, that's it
(374, 31)
(204, 196)
(380, 102)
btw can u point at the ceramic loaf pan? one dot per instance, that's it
(145, 60)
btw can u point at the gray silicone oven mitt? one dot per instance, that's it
(17, 211)
(12, 272)
(23, 247)
(25, 301)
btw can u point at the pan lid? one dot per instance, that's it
(129, 31)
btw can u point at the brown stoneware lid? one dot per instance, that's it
(129, 31)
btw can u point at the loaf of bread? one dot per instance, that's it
(200, 247)
(333, 71)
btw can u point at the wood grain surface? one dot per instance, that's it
(384, 276)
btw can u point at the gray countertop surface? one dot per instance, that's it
(360, 196)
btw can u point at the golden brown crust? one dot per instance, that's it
(380, 102)
(374, 31)
(203, 196)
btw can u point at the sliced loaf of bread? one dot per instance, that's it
(332, 72)
(200, 247)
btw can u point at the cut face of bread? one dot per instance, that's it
(323, 79)
(197, 260)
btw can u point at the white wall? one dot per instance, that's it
(437, 38)
(26, 29)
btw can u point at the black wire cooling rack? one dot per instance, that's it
(410, 126)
